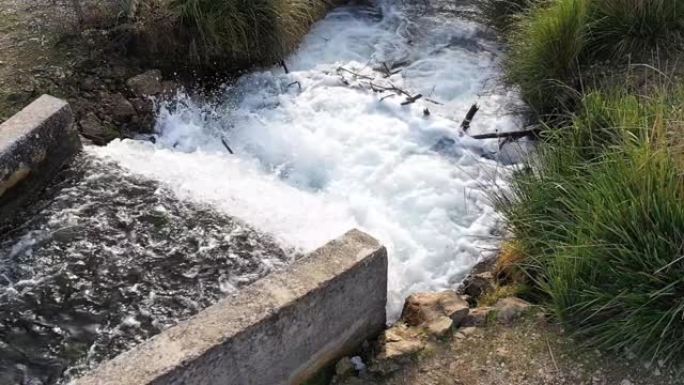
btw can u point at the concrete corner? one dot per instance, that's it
(34, 144)
(279, 330)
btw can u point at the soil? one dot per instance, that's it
(531, 351)
(45, 49)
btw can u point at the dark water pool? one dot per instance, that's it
(105, 260)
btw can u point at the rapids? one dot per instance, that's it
(321, 149)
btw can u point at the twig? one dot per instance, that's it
(509, 135)
(553, 358)
(465, 125)
(411, 99)
(358, 75)
(225, 144)
(293, 83)
(282, 64)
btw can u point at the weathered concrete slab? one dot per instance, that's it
(34, 144)
(280, 330)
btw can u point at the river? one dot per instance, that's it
(144, 232)
(320, 150)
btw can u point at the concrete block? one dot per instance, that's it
(34, 144)
(279, 330)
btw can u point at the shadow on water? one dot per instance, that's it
(105, 260)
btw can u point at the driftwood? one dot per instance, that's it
(512, 135)
(465, 125)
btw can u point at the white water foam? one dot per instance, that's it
(318, 152)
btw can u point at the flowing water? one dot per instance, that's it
(321, 149)
(143, 233)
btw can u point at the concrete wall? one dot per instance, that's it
(34, 144)
(279, 330)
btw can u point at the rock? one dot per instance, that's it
(169, 87)
(509, 309)
(399, 341)
(424, 308)
(477, 316)
(477, 285)
(120, 109)
(143, 106)
(440, 327)
(93, 129)
(344, 368)
(469, 331)
(88, 84)
(146, 84)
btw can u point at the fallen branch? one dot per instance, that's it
(293, 83)
(511, 135)
(225, 144)
(358, 75)
(411, 99)
(465, 125)
(282, 64)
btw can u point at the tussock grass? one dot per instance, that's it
(224, 35)
(636, 29)
(247, 30)
(545, 51)
(558, 47)
(601, 220)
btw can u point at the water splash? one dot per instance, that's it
(320, 149)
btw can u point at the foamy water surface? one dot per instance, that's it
(319, 150)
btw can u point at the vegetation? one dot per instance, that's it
(225, 35)
(598, 213)
(559, 47)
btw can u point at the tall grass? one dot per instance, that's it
(636, 29)
(223, 35)
(601, 219)
(545, 49)
(249, 30)
(558, 47)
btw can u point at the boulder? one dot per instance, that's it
(92, 128)
(146, 84)
(400, 341)
(422, 309)
(119, 108)
(439, 327)
(477, 316)
(511, 308)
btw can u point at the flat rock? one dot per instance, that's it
(425, 308)
(477, 316)
(511, 308)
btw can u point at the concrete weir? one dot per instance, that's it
(279, 330)
(34, 144)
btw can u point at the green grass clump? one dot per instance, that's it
(247, 30)
(601, 219)
(545, 49)
(559, 47)
(636, 29)
(221, 36)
